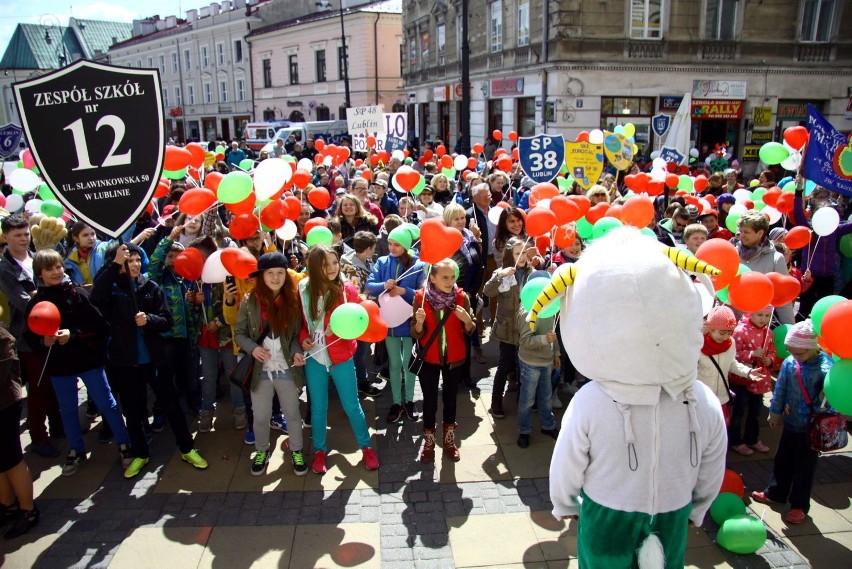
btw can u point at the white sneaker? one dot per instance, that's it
(555, 402)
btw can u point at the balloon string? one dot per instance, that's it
(428, 270)
(46, 359)
(321, 348)
(517, 262)
(812, 252)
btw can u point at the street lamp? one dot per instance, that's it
(325, 6)
(51, 24)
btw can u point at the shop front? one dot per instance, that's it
(717, 122)
(636, 110)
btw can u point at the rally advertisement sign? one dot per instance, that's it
(97, 135)
(541, 156)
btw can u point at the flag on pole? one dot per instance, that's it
(676, 144)
(828, 161)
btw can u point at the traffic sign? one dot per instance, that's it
(541, 156)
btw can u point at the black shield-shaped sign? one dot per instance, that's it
(96, 134)
(10, 138)
(541, 156)
(660, 124)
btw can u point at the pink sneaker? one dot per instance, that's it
(371, 461)
(743, 449)
(795, 516)
(760, 447)
(318, 466)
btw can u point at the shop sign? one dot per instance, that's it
(441, 93)
(762, 136)
(713, 89)
(795, 110)
(762, 116)
(507, 87)
(750, 152)
(660, 123)
(717, 109)
(670, 102)
(458, 91)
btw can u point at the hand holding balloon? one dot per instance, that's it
(141, 319)
(62, 336)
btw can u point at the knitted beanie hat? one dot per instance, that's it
(402, 236)
(801, 336)
(721, 318)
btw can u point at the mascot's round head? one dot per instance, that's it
(631, 320)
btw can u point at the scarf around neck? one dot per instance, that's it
(441, 300)
(712, 348)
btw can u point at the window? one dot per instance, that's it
(458, 37)
(139, 63)
(150, 62)
(817, 19)
(526, 116)
(223, 91)
(342, 68)
(627, 106)
(241, 89)
(441, 33)
(174, 62)
(205, 59)
(267, 73)
(178, 98)
(424, 48)
(162, 64)
(646, 17)
(293, 62)
(412, 53)
(323, 113)
(320, 64)
(208, 93)
(165, 97)
(721, 20)
(523, 24)
(497, 26)
(187, 60)
(341, 112)
(495, 115)
(238, 51)
(190, 94)
(220, 53)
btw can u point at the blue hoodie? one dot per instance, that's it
(389, 267)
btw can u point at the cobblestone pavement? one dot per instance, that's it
(490, 509)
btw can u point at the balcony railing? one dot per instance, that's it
(644, 49)
(814, 52)
(495, 60)
(719, 51)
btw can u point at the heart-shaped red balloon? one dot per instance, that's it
(238, 262)
(566, 210)
(189, 263)
(786, 287)
(582, 202)
(377, 329)
(407, 178)
(274, 214)
(597, 212)
(437, 241)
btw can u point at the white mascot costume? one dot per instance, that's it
(642, 448)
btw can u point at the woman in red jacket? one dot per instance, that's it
(445, 354)
(320, 293)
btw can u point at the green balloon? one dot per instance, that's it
(731, 222)
(52, 208)
(742, 534)
(246, 164)
(758, 194)
(349, 320)
(564, 168)
(584, 228)
(726, 506)
(418, 189)
(759, 205)
(45, 193)
(234, 187)
(789, 187)
(174, 174)
(838, 386)
(530, 293)
(743, 269)
(319, 235)
(449, 172)
(778, 336)
(289, 158)
(648, 232)
(773, 153)
(666, 224)
(219, 150)
(604, 225)
(684, 182)
(722, 294)
(563, 184)
(36, 170)
(846, 246)
(20, 163)
(19, 192)
(821, 307)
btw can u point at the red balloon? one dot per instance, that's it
(835, 327)
(784, 203)
(274, 214)
(371, 141)
(294, 207)
(513, 136)
(700, 183)
(238, 262)
(542, 244)
(750, 291)
(377, 329)
(315, 222)
(656, 188)
(245, 206)
(471, 163)
(732, 483)
(407, 179)
(197, 151)
(437, 241)
(723, 255)
(301, 178)
(499, 152)
(582, 137)
(582, 202)
(504, 163)
(542, 191)
(441, 150)
(596, 212)
(797, 237)
(497, 134)
(428, 154)
(367, 174)
(211, 180)
(446, 161)
(796, 137)
(786, 288)
(565, 236)
(516, 154)
(566, 210)
(319, 198)
(244, 226)
(176, 158)
(540, 222)
(44, 319)
(189, 263)
(319, 144)
(771, 196)
(638, 211)
(196, 201)
(478, 148)
(163, 189)
(672, 180)
(318, 159)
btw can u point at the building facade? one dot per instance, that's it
(300, 65)
(204, 68)
(751, 66)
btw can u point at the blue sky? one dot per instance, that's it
(33, 11)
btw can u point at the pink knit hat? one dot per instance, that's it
(720, 318)
(801, 336)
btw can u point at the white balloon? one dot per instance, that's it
(709, 159)
(544, 204)
(737, 208)
(305, 164)
(398, 155)
(774, 214)
(14, 202)
(327, 161)
(705, 205)
(269, 176)
(655, 154)
(214, 271)
(693, 152)
(596, 136)
(825, 221)
(658, 162)
(792, 162)
(393, 310)
(706, 297)
(33, 206)
(287, 231)
(494, 214)
(24, 180)
(659, 174)
(742, 195)
(460, 162)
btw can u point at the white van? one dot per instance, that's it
(329, 131)
(259, 134)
